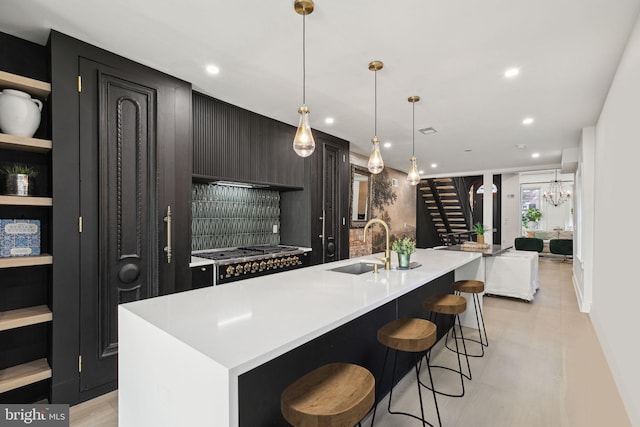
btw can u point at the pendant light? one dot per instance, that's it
(556, 193)
(375, 164)
(303, 143)
(413, 177)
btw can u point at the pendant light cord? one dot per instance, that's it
(304, 61)
(375, 103)
(413, 131)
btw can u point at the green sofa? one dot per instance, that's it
(561, 247)
(529, 244)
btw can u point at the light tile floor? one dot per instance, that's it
(543, 367)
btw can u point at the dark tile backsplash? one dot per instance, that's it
(226, 217)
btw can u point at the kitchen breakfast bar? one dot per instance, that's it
(220, 356)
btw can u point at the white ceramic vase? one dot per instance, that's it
(19, 113)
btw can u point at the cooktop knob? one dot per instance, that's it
(263, 265)
(270, 263)
(239, 268)
(230, 270)
(255, 266)
(247, 268)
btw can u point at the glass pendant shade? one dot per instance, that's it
(413, 177)
(303, 143)
(375, 164)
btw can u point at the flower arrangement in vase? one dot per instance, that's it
(404, 248)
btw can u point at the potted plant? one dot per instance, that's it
(404, 248)
(19, 179)
(531, 215)
(479, 229)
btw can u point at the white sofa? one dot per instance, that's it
(512, 274)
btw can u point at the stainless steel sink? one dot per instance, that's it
(357, 268)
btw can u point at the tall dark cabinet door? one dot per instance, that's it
(123, 206)
(330, 209)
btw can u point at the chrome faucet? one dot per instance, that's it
(387, 252)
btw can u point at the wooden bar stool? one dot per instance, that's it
(415, 336)
(334, 395)
(452, 306)
(473, 287)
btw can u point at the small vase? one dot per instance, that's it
(480, 238)
(404, 260)
(18, 185)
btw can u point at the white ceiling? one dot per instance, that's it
(451, 53)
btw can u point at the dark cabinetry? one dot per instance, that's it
(122, 175)
(230, 143)
(25, 314)
(317, 217)
(201, 276)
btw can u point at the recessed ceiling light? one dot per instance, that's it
(527, 120)
(434, 165)
(468, 150)
(329, 120)
(535, 155)
(420, 172)
(427, 131)
(511, 72)
(521, 146)
(387, 145)
(213, 69)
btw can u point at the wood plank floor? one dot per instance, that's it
(543, 367)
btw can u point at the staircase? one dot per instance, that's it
(448, 206)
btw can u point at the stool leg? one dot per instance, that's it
(375, 407)
(424, 423)
(476, 303)
(393, 376)
(464, 345)
(452, 325)
(484, 342)
(433, 390)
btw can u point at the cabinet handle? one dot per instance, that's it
(167, 220)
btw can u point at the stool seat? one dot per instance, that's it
(446, 304)
(468, 286)
(410, 335)
(336, 394)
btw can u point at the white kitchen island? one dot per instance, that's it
(181, 355)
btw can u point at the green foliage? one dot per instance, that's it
(531, 215)
(404, 246)
(18, 168)
(479, 229)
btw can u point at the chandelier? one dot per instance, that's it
(556, 194)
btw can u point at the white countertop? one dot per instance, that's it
(243, 324)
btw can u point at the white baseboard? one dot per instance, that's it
(585, 306)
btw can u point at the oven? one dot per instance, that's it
(232, 264)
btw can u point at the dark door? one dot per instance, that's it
(124, 203)
(330, 203)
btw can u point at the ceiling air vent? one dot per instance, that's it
(426, 131)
